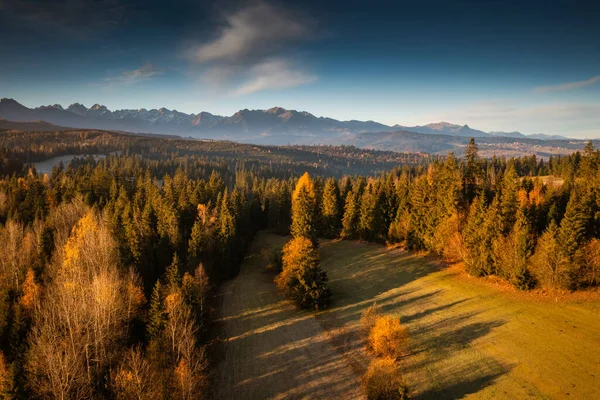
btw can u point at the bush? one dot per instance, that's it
(388, 338)
(368, 318)
(301, 278)
(383, 381)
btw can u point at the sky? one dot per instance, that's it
(528, 66)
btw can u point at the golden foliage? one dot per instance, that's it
(383, 380)
(135, 378)
(31, 292)
(368, 318)
(388, 337)
(306, 182)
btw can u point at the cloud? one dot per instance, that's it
(251, 51)
(563, 87)
(132, 77)
(274, 74)
(254, 31)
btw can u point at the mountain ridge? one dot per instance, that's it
(277, 123)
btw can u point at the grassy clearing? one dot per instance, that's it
(468, 338)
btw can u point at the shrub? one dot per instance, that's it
(383, 381)
(368, 318)
(388, 337)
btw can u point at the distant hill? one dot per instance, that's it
(36, 126)
(273, 126)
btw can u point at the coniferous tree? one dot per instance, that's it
(304, 221)
(351, 217)
(330, 211)
(472, 171)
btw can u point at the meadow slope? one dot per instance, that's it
(469, 338)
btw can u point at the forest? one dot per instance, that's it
(108, 265)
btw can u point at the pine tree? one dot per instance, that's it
(370, 219)
(509, 202)
(351, 215)
(304, 222)
(575, 223)
(156, 314)
(472, 171)
(330, 211)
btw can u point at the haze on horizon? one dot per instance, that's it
(507, 66)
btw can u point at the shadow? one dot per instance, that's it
(428, 312)
(461, 389)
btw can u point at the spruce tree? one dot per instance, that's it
(156, 314)
(509, 201)
(472, 171)
(351, 215)
(575, 223)
(330, 211)
(304, 222)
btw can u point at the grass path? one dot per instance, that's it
(269, 349)
(469, 338)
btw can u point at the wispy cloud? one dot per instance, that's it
(137, 75)
(564, 87)
(252, 48)
(274, 74)
(131, 77)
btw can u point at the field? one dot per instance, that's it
(470, 338)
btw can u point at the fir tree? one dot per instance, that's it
(156, 314)
(304, 222)
(351, 216)
(330, 211)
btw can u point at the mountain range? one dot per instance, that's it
(273, 126)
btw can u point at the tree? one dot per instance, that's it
(135, 379)
(304, 222)
(549, 263)
(512, 253)
(575, 223)
(301, 278)
(472, 171)
(156, 314)
(330, 209)
(351, 217)
(508, 199)
(370, 221)
(384, 381)
(86, 314)
(388, 338)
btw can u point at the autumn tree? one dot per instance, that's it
(330, 209)
(301, 278)
(304, 223)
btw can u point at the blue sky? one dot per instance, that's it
(499, 65)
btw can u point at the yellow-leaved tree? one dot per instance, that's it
(79, 328)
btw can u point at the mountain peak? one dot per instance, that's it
(276, 111)
(438, 126)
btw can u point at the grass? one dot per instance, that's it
(469, 338)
